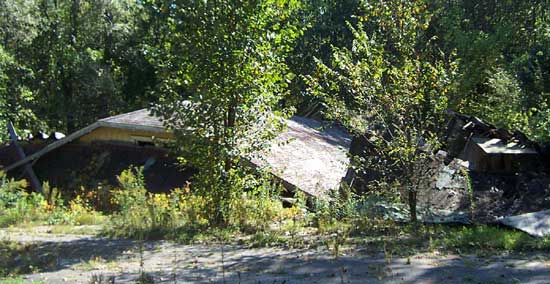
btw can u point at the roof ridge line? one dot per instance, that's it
(106, 119)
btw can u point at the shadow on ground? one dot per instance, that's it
(51, 256)
(166, 262)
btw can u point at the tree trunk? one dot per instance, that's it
(229, 124)
(108, 47)
(74, 22)
(412, 204)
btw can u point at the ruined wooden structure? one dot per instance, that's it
(487, 148)
(29, 172)
(496, 155)
(309, 155)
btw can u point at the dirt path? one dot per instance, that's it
(79, 257)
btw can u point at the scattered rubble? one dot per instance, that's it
(450, 191)
(489, 173)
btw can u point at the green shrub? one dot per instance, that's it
(255, 212)
(340, 210)
(10, 191)
(17, 206)
(145, 215)
(132, 190)
(183, 212)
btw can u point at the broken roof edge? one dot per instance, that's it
(269, 170)
(115, 117)
(75, 135)
(50, 147)
(499, 146)
(505, 134)
(128, 126)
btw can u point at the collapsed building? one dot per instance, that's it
(487, 148)
(493, 174)
(481, 174)
(310, 155)
(485, 174)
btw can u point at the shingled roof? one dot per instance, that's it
(310, 155)
(140, 117)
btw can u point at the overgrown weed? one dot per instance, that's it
(20, 280)
(183, 216)
(488, 239)
(257, 218)
(19, 207)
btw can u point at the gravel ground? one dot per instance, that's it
(79, 257)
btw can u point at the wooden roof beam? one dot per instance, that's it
(29, 172)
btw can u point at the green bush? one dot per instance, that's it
(10, 191)
(145, 215)
(255, 212)
(17, 206)
(182, 212)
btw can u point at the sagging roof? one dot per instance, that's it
(307, 155)
(110, 122)
(497, 146)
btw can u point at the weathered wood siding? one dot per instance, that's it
(120, 135)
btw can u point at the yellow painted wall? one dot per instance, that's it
(119, 135)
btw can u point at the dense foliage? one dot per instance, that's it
(223, 70)
(390, 86)
(108, 55)
(386, 69)
(503, 52)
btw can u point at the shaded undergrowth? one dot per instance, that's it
(257, 219)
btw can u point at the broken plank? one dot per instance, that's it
(31, 175)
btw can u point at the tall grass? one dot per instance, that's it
(18, 206)
(489, 238)
(181, 214)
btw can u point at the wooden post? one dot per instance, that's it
(29, 172)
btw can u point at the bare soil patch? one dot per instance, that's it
(77, 258)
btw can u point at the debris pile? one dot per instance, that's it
(487, 148)
(491, 174)
(450, 190)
